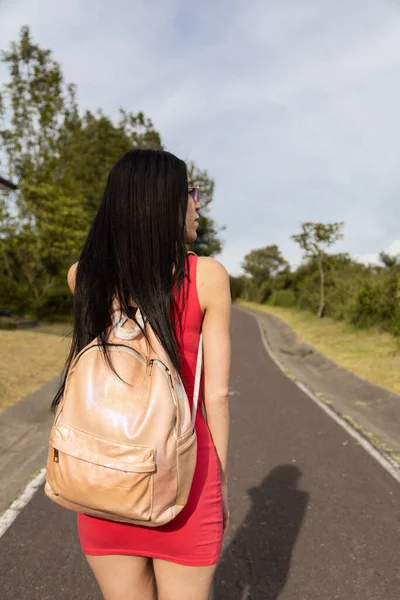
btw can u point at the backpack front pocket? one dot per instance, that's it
(101, 474)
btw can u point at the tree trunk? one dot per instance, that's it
(322, 288)
(8, 267)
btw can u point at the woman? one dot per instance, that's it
(136, 251)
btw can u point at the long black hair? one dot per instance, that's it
(135, 251)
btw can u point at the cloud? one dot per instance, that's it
(292, 107)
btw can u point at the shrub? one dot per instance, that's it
(238, 285)
(16, 297)
(7, 323)
(378, 304)
(285, 298)
(55, 304)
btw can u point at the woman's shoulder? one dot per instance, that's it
(71, 276)
(212, 280)
(211, 268)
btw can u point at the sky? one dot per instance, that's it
(292, 106)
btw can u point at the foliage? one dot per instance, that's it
(365, 296)
(391, 263)
(285, 298)
(314, 239)
(378, 302)
(60, 160)
(237, 285)
(92, 144)
(262, 266)
(208, 242)
(264, 263)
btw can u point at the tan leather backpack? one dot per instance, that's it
(124, 450)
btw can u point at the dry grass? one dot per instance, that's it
(29, 358)
(370, 354)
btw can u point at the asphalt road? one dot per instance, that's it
(313, 516)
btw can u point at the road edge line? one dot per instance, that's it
(392, 469)
(11, 513)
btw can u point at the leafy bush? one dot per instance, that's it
(56, 304)
(342, 288)
(285, 298)
(7, 323)
(238, 285)
(13, 296)
(252, 293)
(378, 304)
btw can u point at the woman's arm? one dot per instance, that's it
(215, 299)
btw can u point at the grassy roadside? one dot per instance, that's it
(368, 353)
(29, 358)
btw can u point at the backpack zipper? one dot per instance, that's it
(164, 368)
(170, 383)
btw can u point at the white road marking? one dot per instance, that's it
(389, 465)
(12, 512)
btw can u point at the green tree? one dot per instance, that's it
(263, 265)
(7, 227)
(60, 160)
(314, 239)
(208, 241)
(238, 286)
(390, 263)
(139, 130)
(92, 145)
(34, 105)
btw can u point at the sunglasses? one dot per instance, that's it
(195, 193)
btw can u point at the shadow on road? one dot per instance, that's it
(256, 564)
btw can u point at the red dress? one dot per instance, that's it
(194, 537)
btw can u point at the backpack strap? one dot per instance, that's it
(197, 379)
